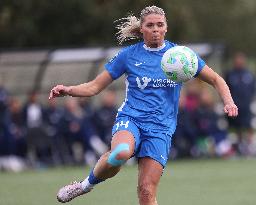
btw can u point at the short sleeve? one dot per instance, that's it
(117, 65)
(201, 64)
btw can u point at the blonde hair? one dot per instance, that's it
(129, 27)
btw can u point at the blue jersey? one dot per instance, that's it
(151, 99)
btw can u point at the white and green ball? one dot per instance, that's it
(179, 63)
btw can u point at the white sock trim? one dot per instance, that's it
(86, 184)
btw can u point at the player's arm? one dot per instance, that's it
(83, 90)
(212, 78)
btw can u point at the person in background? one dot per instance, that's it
(93, 145)
(18, 127)
(88, 109)
(6, 138)
(105, 115)
(37, 141)
(212, 137)
(185, 136)
(241, 82)
(53, 116)
(71, 131)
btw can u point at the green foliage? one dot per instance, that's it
(230, 22)
(40, 23)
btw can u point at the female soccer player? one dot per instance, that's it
(147, 118)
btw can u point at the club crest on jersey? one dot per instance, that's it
(145, 81)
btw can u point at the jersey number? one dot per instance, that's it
(121, 123)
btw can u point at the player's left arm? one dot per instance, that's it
(214, 79)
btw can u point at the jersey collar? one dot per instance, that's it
(154, 49)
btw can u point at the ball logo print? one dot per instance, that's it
(179, 63)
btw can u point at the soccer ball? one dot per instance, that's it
(179, 63)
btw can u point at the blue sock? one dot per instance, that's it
(93, 180)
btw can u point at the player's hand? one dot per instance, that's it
(231, 110)
(58, 91)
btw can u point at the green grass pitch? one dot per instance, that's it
(193, 182)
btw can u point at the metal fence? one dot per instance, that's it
(23, 71)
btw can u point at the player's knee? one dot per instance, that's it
(146, 193)
(119, 155)
(124, 155)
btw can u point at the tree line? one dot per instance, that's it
(76, 23)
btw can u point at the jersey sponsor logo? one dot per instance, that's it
(157, 83)
(163, 83)
(145, 81)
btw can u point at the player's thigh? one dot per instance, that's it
(150, 172)
(125, 133)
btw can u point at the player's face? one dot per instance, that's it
(153, 28)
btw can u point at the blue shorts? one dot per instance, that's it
(151, 144)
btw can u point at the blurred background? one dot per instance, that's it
(44, 43)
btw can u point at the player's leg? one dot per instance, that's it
(150, 172)
(153, 155)
(126, 133)
(122, 148)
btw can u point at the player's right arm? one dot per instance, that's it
(212, 78)
(83, 90)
